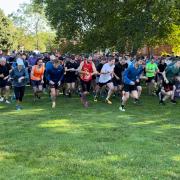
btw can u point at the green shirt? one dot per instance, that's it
(152, 68)
(172, 71)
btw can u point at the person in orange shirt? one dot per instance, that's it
(37, 74)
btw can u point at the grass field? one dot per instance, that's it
(101, 142)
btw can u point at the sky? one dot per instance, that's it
(9, 6)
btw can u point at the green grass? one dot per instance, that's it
(71, 142)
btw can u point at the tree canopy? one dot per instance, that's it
(120, 24)
(6, 32)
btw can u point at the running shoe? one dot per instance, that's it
(7, 102)
(173, 102)
(1, 99)
(108, 101)
(53, 104)
(122, 109)
(95, 99)
(18, 108)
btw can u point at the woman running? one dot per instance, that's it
(20, 77)
(37, 75)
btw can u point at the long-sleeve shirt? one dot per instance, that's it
(16, 74)
(131, 74)
(55, 74)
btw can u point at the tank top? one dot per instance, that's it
(87, 67)
(37, 72)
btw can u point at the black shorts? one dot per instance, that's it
(117, 82)
(138, 84)
(103, 84)
(56, 86)
(86, 85)
(150, 79)
(35, 83)
(70, 79)
(4, 83)
(129, 88)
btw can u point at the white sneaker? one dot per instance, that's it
(121, 109)
(1, 99)
(7, 102)
(53, 104)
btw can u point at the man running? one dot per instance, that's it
(71, 77)
(151, 70)
(4, 80)
(171, 75)
(119, 68)
(131, 76)
(105, 78)
(86, 69)
(55, 75)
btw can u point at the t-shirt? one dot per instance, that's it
(106, 77)
(171, 72)
(55, 74)
(162, 67)
(4, 70)
(99, 67)
(153, 68)
(131, 74)
(70, 65)
(119, 68)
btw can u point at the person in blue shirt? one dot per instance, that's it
(131, 78)
(20, 77)
(55, 75)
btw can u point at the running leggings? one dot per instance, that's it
(19, 93)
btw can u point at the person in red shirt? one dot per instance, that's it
(86, 69)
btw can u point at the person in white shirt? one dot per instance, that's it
(105, 79)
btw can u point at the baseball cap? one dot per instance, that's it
(20, 62)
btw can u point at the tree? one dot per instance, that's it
(32, 20)
(6, 32)
(124, 24)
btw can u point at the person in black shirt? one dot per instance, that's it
(120, 66)
(98, 68)
(4, 80)
(161, 66)
(70, 74)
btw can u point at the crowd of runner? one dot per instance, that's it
(102, 77)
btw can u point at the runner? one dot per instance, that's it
(131, 76)
(105, 78)
(71, 77)
(20, 78)
(4, 80)
(99, 68)
(171, 75)
(55, 75)
(37, 74)
(119, 68)
(151, 70)
(86, 69)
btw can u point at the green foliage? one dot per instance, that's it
(6, 32)
(29, 42)
(30, 18)
(123, 24)
(32, 29)
(174, 39)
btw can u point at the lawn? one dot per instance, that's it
(100, 142)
